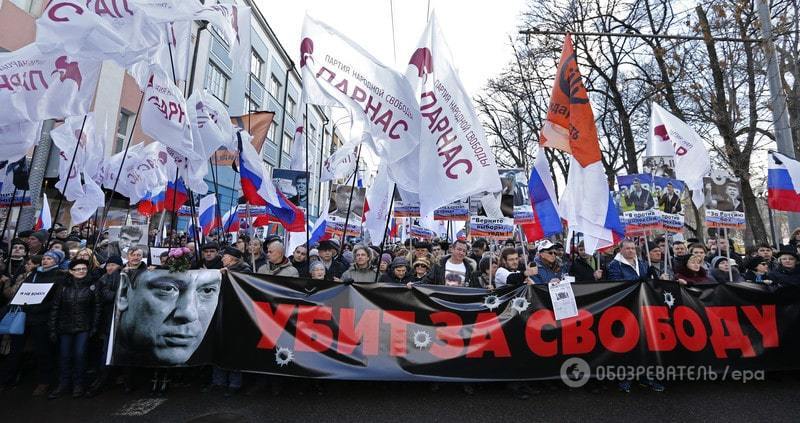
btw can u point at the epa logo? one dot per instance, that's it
(575, 372)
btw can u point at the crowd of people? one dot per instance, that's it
(65, 342)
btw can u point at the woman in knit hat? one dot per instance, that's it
(383, 265)
(757, 269)
(421, 267)
(317, 270)
(721, 270)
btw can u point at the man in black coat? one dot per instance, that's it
(328, 253)
(210, 257)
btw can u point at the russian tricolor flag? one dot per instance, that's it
(151, 204)
(176, 195)
(543, 200)
(318, 233)
(45, 221)
(257, 186)
(231, 220)
(290, 216)
(783, 183)
(207, 214)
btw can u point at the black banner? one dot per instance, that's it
(319, 329)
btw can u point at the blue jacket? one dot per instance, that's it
(546, 273)
(619, 270)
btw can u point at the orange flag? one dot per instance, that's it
(570, 122)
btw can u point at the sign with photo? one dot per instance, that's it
(724, 205)
(515, 201)
(340, 202)
(293, 184)
(661, 166)
(405, 209)
(637, 203)
(668, 194)
(488, 228)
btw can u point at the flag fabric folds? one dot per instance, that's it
(257, 185)
(319, 231)
(45, 221)
(36, 86)
(152, 203)
(17, 138)
(379, 100)
(691, 156)
(287, 214)
(453, 159)
(164, 115)
(377, 204)
(586, 203)
(543, 199)
(783, 183)
(175, 195)
(207, 213)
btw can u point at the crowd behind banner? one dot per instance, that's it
(66, 335)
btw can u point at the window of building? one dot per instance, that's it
(287, 143)
(256, 65)
(274, 86)
(312, 132)
(271, 134)
(291, 105)
(217, 82)
(250, 105)
(123, 126)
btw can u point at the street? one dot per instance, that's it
(773, 400)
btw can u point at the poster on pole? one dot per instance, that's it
(420, 233)
(457, 211)
(405, 209)
(488, 228)
(724, 205)
(636, 202)
(661, 166)
(341, 202)
(668, 194)
(293, 184)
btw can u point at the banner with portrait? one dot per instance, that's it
(344, 198)
(724, 205)
(668, 194)
(515, 201)
(637, 203)
(335, 227)
(379, 331)
(293, 184)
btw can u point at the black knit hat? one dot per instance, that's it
(231, 251)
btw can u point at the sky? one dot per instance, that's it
(472, 29)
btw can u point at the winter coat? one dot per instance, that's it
(283, 269)
(785, 277)
(240, 267)
(302, 267)
(479, 280)
(213, 264)
(336, 269)
(620, 270)
(581, 270)
(693, 278)
(133, 273)
(547, 272)
(438, 272)
(75, 307)
(39, 314)
(721, 276)
(259, 261)
(106, 287)
(389, 277)
(359, 275)
(754, 277)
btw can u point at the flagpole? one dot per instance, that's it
(350, 201)
(728, 255)
(197, 235)
(771, 227)
(174, 218)
(66, 183)
(385, 235)
(119, 172)
(16, 224)
(8, 217)
(308, 179)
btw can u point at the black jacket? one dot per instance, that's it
(302, 267)
(389, 277)
(106, 287)
(581, 270)
(133, 273)
(337, 269)
(75, 307)
(39, 314)
(785, 277)
(213, 264)
(240, 267)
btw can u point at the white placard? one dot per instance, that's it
(31, 293)
(563, 299)
(155, 255)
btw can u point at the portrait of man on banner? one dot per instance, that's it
(162, 317)
(293, 184)
(340, 199)
(723, 193)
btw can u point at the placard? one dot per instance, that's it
(31, 293)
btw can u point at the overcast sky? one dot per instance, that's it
(477, 32)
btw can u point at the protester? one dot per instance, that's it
(241, 243)
(210, 258)
(583, 267)
(398, 272)
(17, 259)
(361, 270)
(699, 250)
(10, 368)
(479, 246)
(690, 271)
(277, 264)
(757, 269)
(385, 261)
(422, 268)
(549, 267)
(455, 269)
(38, 316)
(508, 271)
(722, 270)
(317, 270)
(657, 268)
(334, 267)
(255, 255)
(74, 317)
(135, 264)
(299, 260)
(787, 272)
(36, 242)
(764, 250)
(422, 249)
(626, 265)
(485, 276)
(106, 287)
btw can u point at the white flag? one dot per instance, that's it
(87, 204)
(691, 157)
(454, 160)
(109, 29)
(341, 164)
(298, 150)
(35, 86)
(379, 197)
(73, 139)
(173, 50)
(338, 72)
(145, 169)
(164, 116)
(17, 138)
